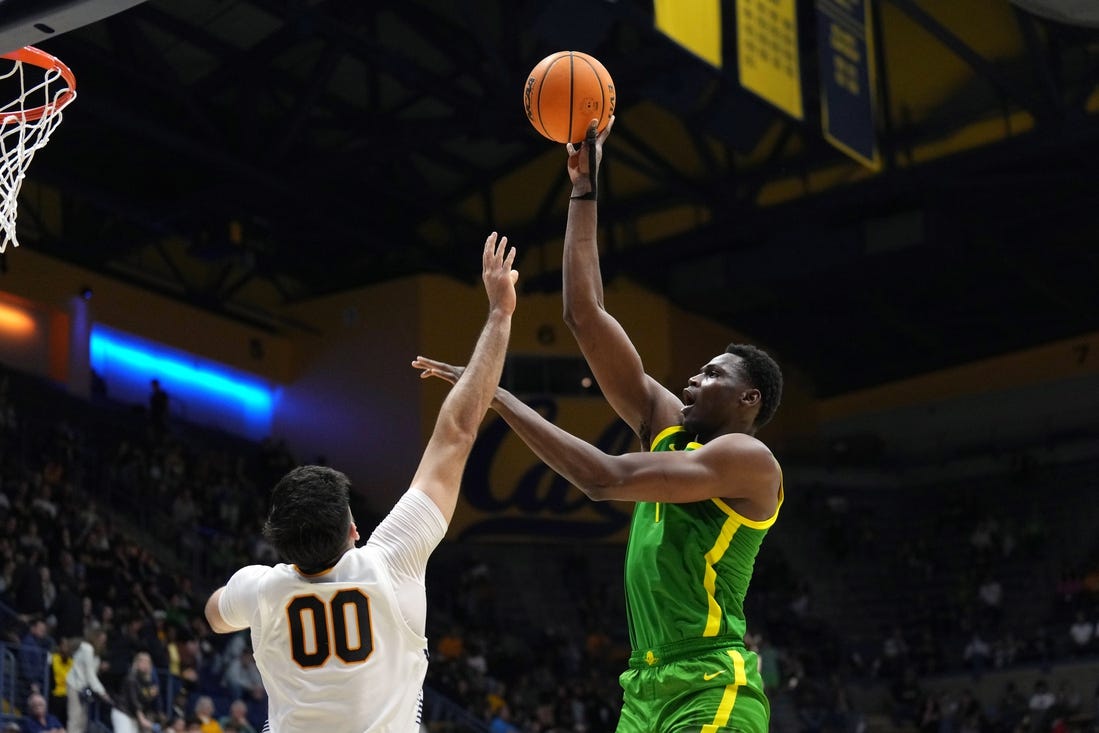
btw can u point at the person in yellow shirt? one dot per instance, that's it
(61, 661)
(204, 713)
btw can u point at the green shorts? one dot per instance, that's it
(716, 691)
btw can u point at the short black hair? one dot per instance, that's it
(309, 517)
(765, 375)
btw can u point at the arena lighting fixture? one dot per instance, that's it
(15, 321)
(178, 372)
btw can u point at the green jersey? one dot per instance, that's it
(687, 570)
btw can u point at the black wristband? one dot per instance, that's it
(593, 172)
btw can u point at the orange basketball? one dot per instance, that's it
(565, 92)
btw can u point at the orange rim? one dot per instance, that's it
(43, 60)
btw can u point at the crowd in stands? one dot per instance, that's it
(90, 560)
(118, 521)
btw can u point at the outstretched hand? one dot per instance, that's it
(498, 275)
(580, 159)
(500, 279)
(431, 368)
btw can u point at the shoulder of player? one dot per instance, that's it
(740, 443)
(757, 471)
(251, 575)
(744, 449)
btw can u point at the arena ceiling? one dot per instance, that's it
(244, 154)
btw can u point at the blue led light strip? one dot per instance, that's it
(144, 360)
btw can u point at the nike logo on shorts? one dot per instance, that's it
(710, 675)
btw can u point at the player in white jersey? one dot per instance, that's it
(338, 632)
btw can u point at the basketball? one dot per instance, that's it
(564, 92)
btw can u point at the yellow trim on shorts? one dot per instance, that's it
(728, 700)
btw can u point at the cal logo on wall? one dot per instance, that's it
(508, 494)
(767, 52)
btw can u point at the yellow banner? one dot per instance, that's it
(767, 52)
(693, 24)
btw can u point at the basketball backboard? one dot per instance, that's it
(27, 22)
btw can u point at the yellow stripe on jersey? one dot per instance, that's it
(728, 700)
(754, 524)
(709, 581)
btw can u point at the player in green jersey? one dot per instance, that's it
(706, 492)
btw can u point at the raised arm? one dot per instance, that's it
(637, 398)
(734, 466)
(440, 471)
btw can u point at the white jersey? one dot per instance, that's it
(345, 650)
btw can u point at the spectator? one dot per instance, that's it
(1081, 634)
(137, 707)
(450, 646)
(190, 658)
(970, 715)
(1068, 589)
(61, 661)
(1010, 708)
(31, 540)
(49, 588)
(237, 719)
(812, 712)
(242, 678)
(931, 720)
(770, 668)
(1005, 651)
(67, 608)
(173, 645)
(908, 698)
(1040, 706)
(894, 654)
(158, 410)
(1041, 648)
(34, 654)
(1068, 700)
(7, 576)
(981, 538)
(204, 714)
(977, 654)
(82, 683)
(501, 721)
(991, 595)
(118, 656)
(38, 719)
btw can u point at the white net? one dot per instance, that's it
(38, 91)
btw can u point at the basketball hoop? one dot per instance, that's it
(45, 86)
